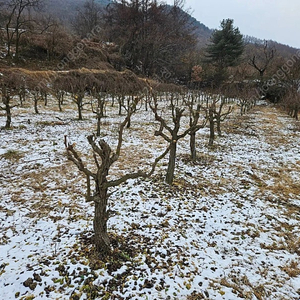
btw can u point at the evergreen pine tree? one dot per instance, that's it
(226, 47)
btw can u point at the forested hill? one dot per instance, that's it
(66, 12)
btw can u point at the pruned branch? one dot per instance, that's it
(96, 149)
(157, 117)
(125, 178)
(157, 160)
(120, 138)
(75, 158)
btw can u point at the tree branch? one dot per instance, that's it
(125, 178)
(74, 157)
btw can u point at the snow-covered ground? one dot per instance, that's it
(229, 227)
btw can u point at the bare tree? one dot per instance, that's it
(18, 21)
(215, 105)
(78, 84)
(53, 37)
(32, 84)
(291, 101)
(262, 59)
(219, 112)
(103, 151)
(58, 92)
(194, 116)
(87, 18)
(246, 99)
(100, 106)
(172, 135)
(9, 85)
(130, 106)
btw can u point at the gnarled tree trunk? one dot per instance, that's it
(171, 164)
(193, 145)
(211, 126)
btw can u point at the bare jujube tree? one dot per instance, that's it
(10, 83)
(171, 133)
(104, 158)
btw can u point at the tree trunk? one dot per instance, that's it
(261, 74)
(17, 45)
(62, 98)
(211, 128)
(193, 145)
(9, 42)
(128, 123)
(112, 100)
(79, 109)
(102, 241)
(45, 96)
(36, 99)
(171, 165)
(22, 96)
(242, 109)
(98, 124)
(219, 126)
(8, 117)
(295, 114)
(59, 104)
(8, 114)
(120, 101)
(101, 105)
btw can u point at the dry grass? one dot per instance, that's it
(288, 243)
(239, 284)
(13, 155)
(292, 270)
(283, 183)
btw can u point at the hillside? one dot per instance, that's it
(67, 12)
(227, 229)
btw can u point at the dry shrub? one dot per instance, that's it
(293, 269)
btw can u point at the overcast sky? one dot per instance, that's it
(276, 20)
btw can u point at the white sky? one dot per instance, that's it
(277, 20)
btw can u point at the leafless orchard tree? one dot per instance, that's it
(78, 84)
(194, 116)
(170, 133)
(22, 90)
(32, 84)
(215, 105)
(246, 99)
(58, 91)
(244, 94)
(104, 158)
(99, 108)
(10, 83)
(131, 106)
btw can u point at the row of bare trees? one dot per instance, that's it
(96, 89)
(17, 85)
